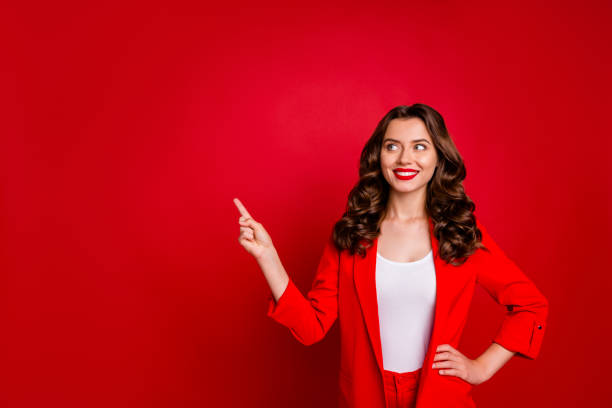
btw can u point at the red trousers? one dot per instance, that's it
(401, 388)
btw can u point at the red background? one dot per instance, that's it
(129, 129)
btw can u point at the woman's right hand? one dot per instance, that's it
(253, 236)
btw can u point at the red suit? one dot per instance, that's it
(344, 287)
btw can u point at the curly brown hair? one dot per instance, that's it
(449, 207)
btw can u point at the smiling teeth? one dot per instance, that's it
(406, 173)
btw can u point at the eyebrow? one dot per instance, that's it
(413, 141)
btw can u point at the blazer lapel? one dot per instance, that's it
(365, 284)
(364, 274)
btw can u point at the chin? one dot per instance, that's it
(404, 190)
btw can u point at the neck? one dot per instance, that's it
(406, 207)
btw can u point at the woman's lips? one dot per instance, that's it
(405, 175)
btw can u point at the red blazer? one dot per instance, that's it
(344, 287)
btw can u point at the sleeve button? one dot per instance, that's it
(540, 326)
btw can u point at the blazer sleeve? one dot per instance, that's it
(524, 324)
(310, 318)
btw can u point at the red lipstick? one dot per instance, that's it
(405, 176)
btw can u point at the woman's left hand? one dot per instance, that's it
(452, 362)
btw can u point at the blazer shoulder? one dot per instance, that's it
(489, 250)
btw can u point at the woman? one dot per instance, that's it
(399, 271)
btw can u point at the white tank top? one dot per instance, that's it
(406, 293)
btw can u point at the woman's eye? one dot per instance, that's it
(418, 144)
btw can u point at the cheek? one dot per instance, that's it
(429, 162)
(385, 162)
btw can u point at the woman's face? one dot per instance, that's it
(407, 148)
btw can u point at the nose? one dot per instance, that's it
(405, 157)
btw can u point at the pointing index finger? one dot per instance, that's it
(243, 211)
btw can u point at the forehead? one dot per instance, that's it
(407, 130)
